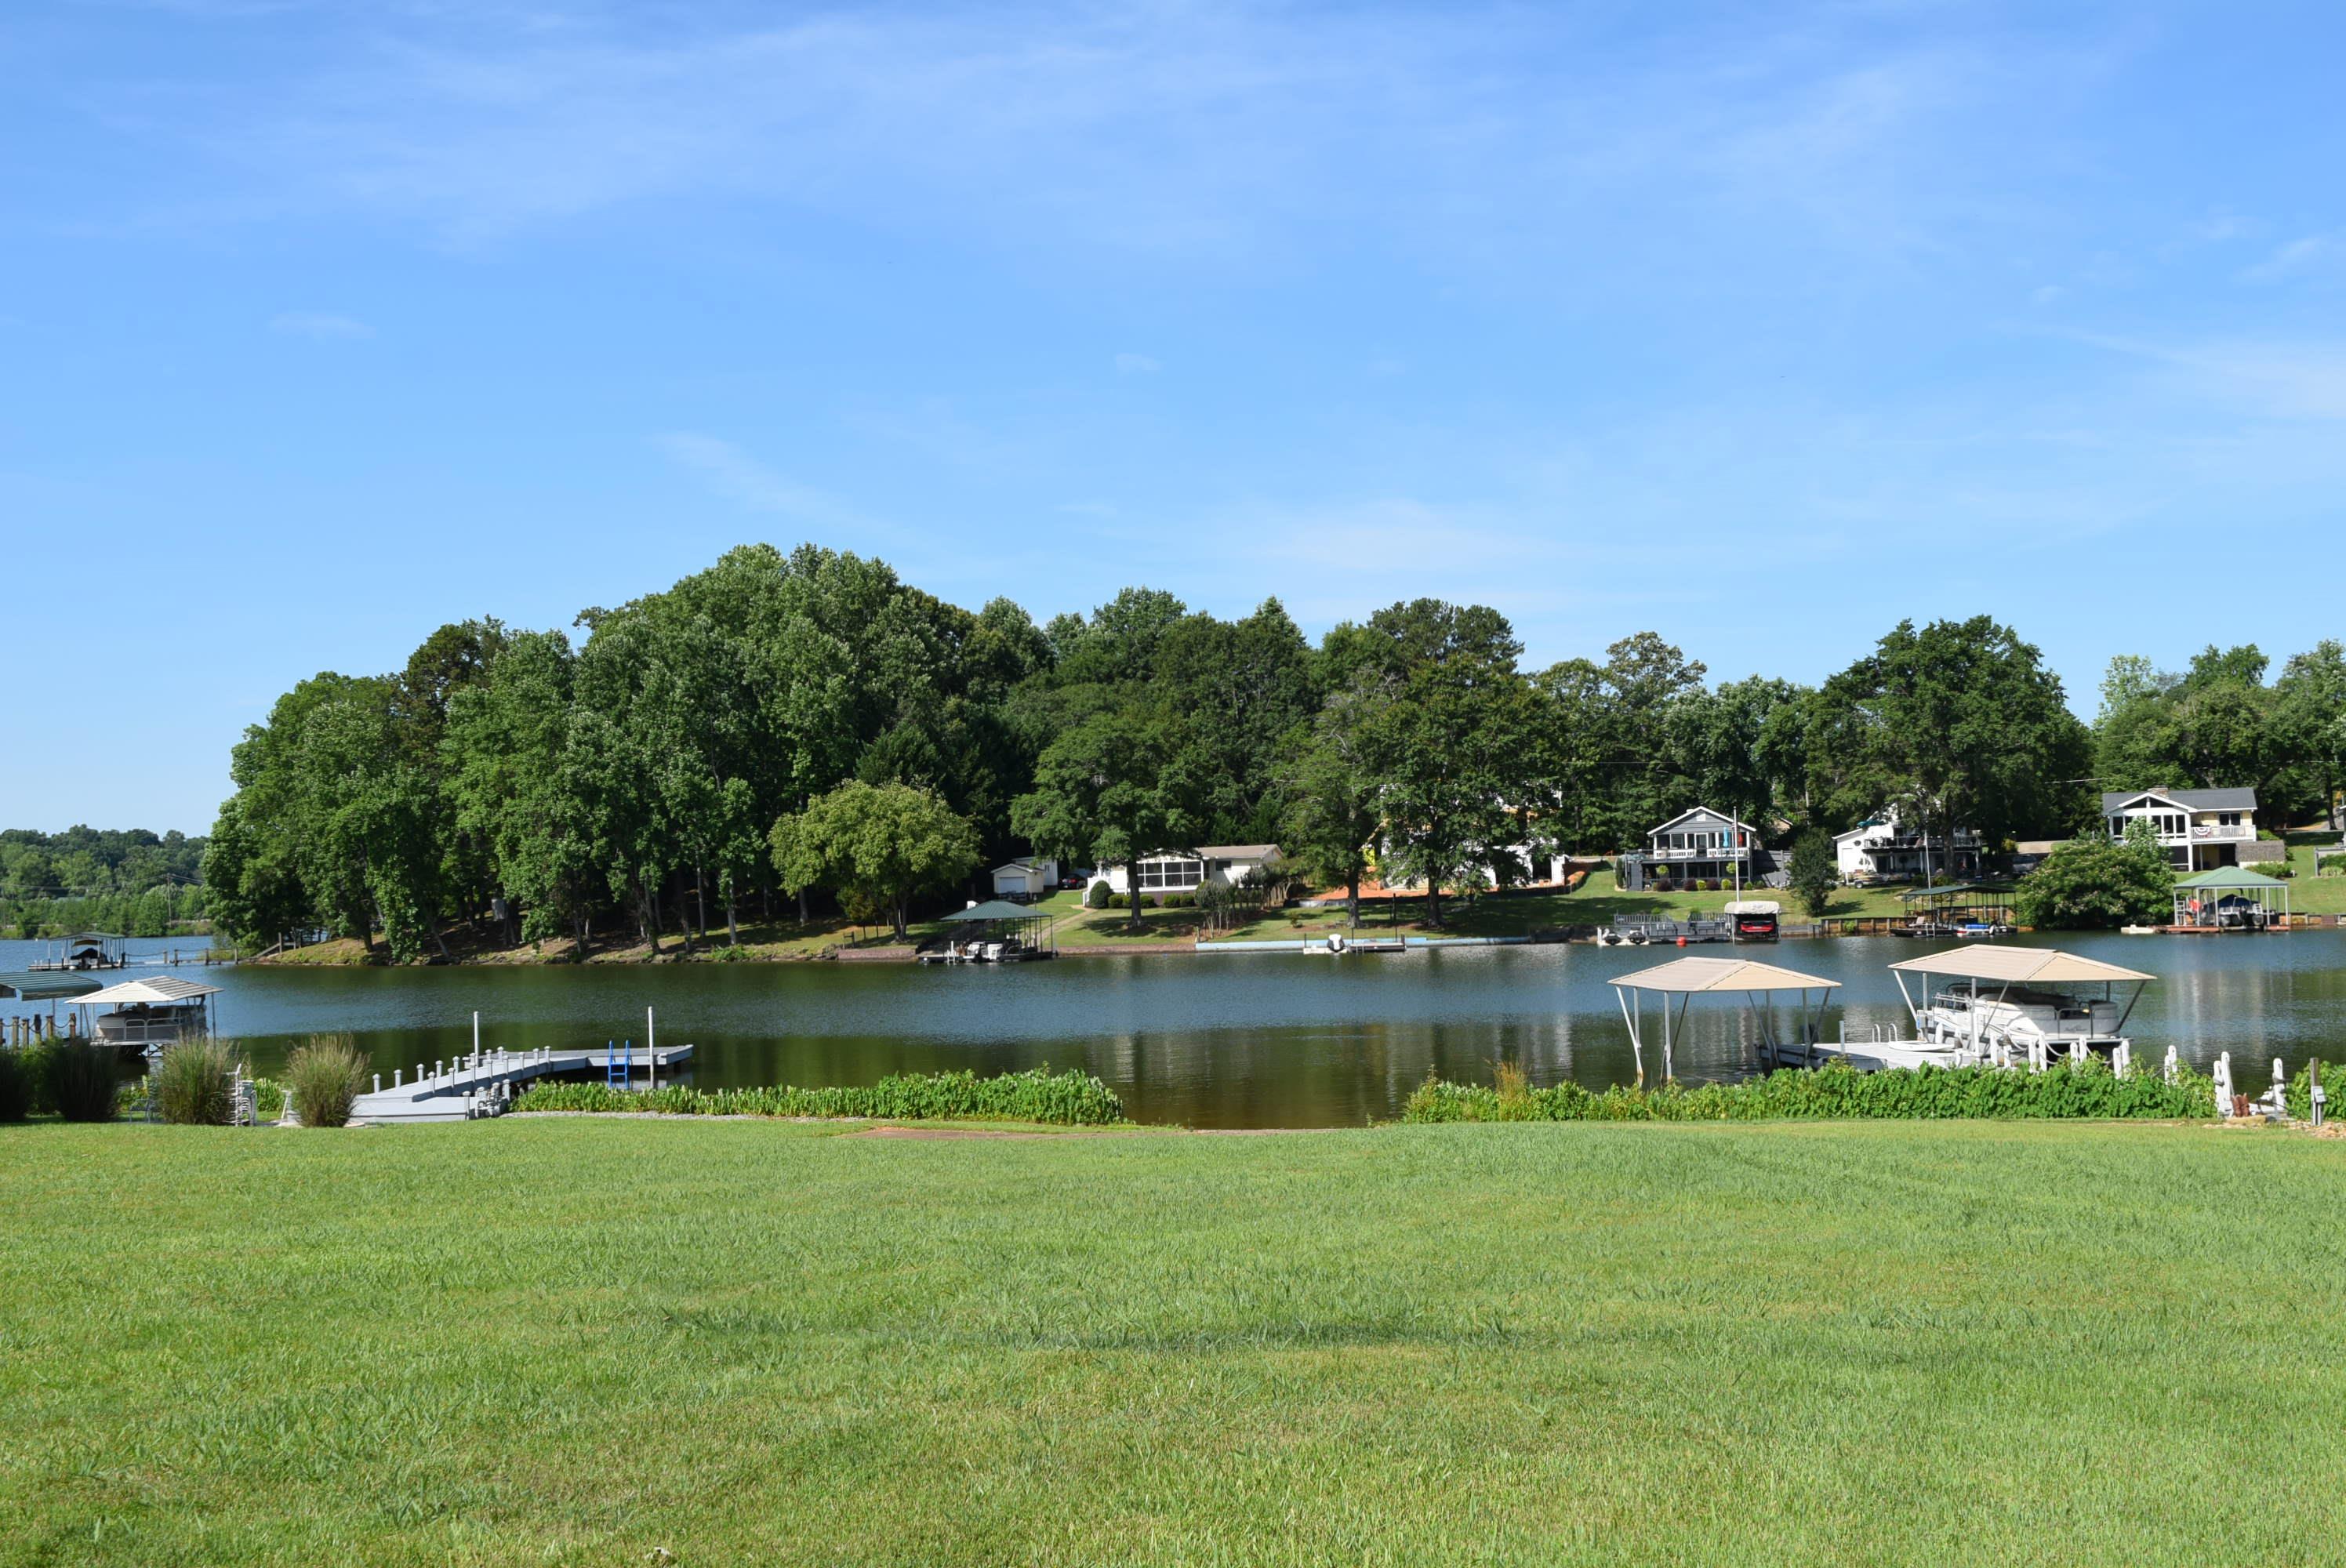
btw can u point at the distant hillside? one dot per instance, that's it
(114, 878)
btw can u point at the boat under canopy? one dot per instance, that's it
(1007, 933)
(150, 1012)
(1678, 981)
(2030, 1003)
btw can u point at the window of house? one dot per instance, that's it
(1171, 874)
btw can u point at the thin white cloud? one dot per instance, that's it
(1486, 134)
(730, 473)
(2313, 253)
(1136, 365)
(320, 325)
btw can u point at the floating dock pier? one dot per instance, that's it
(483, 1083)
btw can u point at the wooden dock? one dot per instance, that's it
(483, 1083)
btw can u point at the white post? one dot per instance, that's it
(395, 1074)
(2170, 1065)
(2224, 1084)
(476, 1036)
(652, 1052)
(378, 1083)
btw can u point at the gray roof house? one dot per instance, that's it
(2199, 829)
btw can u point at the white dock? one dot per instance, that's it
(483, 1083)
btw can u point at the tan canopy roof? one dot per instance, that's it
(161, 989)
(1721, 974)
(2019, 965)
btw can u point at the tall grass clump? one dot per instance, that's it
(324, 1077)
(1068, 1099)
(16, 1083)
(1838, 1091)
(191, 1083)
(78, 1079)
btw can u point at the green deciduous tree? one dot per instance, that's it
(1118, 786)
(881, 845)
(2098, 881)
(1813, 873)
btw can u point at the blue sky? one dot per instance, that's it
(1762, 326)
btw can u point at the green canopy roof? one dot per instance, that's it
(2228, 877)
(994, 909)
(1947, 890)
(49, 986)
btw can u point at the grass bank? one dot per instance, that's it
(574, 1341)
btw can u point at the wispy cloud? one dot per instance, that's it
(2313, 253)
(732, 473)
(1136, 365)
(321, 325)
(1477, 132)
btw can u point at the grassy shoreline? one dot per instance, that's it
(1836, 1343)
(1081, 932)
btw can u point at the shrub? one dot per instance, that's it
(16, 1083)
(191, 1083)
(1098, 897)
(1072, 1099)
(323, 1078)
(1662, 885)
(78, 1080)
(1838, 1091)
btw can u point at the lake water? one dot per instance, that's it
(1235, 1040)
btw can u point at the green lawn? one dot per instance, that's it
(574, 1341)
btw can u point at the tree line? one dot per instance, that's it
(788, 733)
(131, 880)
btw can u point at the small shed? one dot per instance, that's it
(2231, 898)
(1028, 877)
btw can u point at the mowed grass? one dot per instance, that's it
(574, 1341)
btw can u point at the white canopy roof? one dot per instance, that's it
(1688, 974)
(161, 989)
(2019, 965)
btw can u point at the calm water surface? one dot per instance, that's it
(1234, 1040)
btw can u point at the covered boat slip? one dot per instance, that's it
(150, 1013)
(998, 932)
(2231, 898)
(2013, 1004)
(1680, 982)
(1958, 909)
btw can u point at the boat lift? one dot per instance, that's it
(1678, 981)
(2004, 968)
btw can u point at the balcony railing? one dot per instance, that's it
(1720, 853)
(2210, 833)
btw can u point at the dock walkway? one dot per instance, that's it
(482, 1083)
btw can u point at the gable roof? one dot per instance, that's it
(2229, 877)
(46, 986)
(2043, 965)
(158, 989)
(2114, 801)
(1697, 811)
(1686, 974)
(1237, 852)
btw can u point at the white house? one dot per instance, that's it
(1879, 849)
(1028, 877)
(2199, 829)
(1700, 843)
(1187, 870)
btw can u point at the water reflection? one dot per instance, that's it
(1224, 1040)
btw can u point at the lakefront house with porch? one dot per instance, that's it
(1882, 850)
(1700, 845)
(2199, 829)
(1187, 870)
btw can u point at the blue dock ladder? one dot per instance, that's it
(618, 1063)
